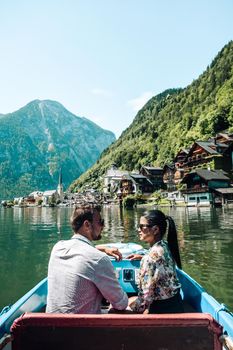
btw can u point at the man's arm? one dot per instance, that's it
(108, 285)
(110, 251)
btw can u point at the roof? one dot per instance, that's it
(222, 145)
(208, 174)
(227, 190)
(206, 145)
(226, 135)
(35, 193)
(182, 150)
(49, 193)
(118, 178)
(170, 166)
(116, 172)
(213, 142)
(137, 177)
(151, 168)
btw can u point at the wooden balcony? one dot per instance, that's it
(195, 190)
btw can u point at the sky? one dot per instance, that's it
(104, 59)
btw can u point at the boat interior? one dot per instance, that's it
(200, 327)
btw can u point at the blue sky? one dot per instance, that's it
(103, 59)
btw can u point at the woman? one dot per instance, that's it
(159, 287)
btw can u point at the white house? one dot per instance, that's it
(112, 179)
(50, 197)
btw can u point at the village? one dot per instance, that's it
(201, 175)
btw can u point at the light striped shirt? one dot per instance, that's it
(79, 276)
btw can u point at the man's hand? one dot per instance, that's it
(114, 252)
(111, 252)
(134, 257)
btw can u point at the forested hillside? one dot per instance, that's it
(171, 120)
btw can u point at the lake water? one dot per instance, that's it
(27, 236)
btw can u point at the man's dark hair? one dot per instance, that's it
(82, 213)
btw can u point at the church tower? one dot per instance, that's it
(60, 187)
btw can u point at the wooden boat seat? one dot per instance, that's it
(116, 332)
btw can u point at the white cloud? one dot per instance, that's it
(101, 92)
(138, 102)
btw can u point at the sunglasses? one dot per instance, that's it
(142, 226)
(101, 222)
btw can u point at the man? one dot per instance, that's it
(80, 275)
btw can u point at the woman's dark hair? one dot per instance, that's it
(158, 218)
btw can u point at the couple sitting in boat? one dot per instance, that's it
(80, 274)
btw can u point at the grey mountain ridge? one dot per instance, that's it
(40, 138)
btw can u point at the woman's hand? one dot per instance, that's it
(146, 312)
(131, 301)
(134, 257)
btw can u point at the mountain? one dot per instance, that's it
(40, 138)
(172, 120)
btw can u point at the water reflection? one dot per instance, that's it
(207, 254)
(27, 236)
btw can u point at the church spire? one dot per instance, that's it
(60, 187)
(60, 178)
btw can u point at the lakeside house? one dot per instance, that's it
(168, 177)
(206, 153)
(112, 179)
(46, 198)
(176, 198)
(134, 184)
(224, 137)
(50, 197)
(154, 175)
(123, 182)
(33, 199)
(213, 154)
(142, 184)
(206, 169)
(206, 187)
(179, 162)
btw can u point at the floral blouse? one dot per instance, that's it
(157, 277)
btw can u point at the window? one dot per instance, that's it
(192, 198)
(203, 197)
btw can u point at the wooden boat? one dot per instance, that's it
(206, 325)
